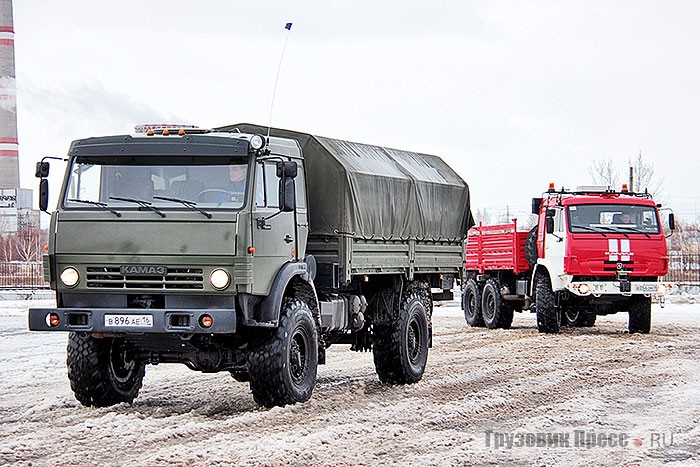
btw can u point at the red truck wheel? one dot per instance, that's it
(640, 315)
(471, 303)
(495, 312)
(577, 318)
(548, 315)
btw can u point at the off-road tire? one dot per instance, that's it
(282, 366)
(241, 376)
(577, 318)
(507, 313)
(471, 304)
(400, 350)
(103, 372)
(495, 313)
(548, 315)
(531, 247)
(640, 315)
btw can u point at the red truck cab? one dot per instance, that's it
(594, 251)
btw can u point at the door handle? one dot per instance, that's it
(288, 238)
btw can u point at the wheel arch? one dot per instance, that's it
(292, 280)
(544, 266)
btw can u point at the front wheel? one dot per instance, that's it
(103, 372)
(282, 367)
(400, 350)
(548, 315)
(640, 315)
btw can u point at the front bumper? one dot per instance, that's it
(132, 320)
(626, 288)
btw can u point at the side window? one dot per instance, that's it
(259, 185)
(267, 186)
(559, 221)
(272, 185)
(301, 187)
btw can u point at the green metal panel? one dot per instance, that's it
(371, 191)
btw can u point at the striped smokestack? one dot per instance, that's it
(9, 155)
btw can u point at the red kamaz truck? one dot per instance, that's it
(594, 251)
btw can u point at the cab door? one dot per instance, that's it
(274, 233)
(555, 242)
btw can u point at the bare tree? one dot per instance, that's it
(7, 248)
(29, 244)
(603, 172)
(644, 179)
(482, 215)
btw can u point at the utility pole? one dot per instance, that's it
(631, 184)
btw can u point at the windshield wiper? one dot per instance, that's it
(587, 228)
(190, 204)
(98, 204)
(141, 203)
(633, 229)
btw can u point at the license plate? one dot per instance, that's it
(129, 321)
(645, 288)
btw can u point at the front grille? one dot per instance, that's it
(109, 277)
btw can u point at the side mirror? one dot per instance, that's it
(549, 224)
(44, 193)
(287, 169)
(42, 170)
(288, 199)
(536, 203)
(671, 221)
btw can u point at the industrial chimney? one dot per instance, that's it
(9, 155)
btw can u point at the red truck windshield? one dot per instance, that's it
(617, 218)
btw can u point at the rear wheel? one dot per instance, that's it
(640, 315)
(400, 350)
(471, 303)
(103, 372)
(495, 312)
(548, 315)
(282, 367)
(507, 312)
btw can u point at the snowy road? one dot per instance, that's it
(483, 391)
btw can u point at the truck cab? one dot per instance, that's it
(601, 251)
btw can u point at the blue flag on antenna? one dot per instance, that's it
(288, 26)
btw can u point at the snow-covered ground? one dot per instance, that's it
(482, 392)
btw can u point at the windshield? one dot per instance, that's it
(118, 182)
(606, 218)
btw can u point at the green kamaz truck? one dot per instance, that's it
(249, 251)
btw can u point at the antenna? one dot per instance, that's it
(288, 27)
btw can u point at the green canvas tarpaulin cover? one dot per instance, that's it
(371, 191)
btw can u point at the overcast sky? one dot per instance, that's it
(511, 94)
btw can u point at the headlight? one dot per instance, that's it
(70, 277)
(257, 142)
(219, 279)
(582, 288)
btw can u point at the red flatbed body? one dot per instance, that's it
(496, 247)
